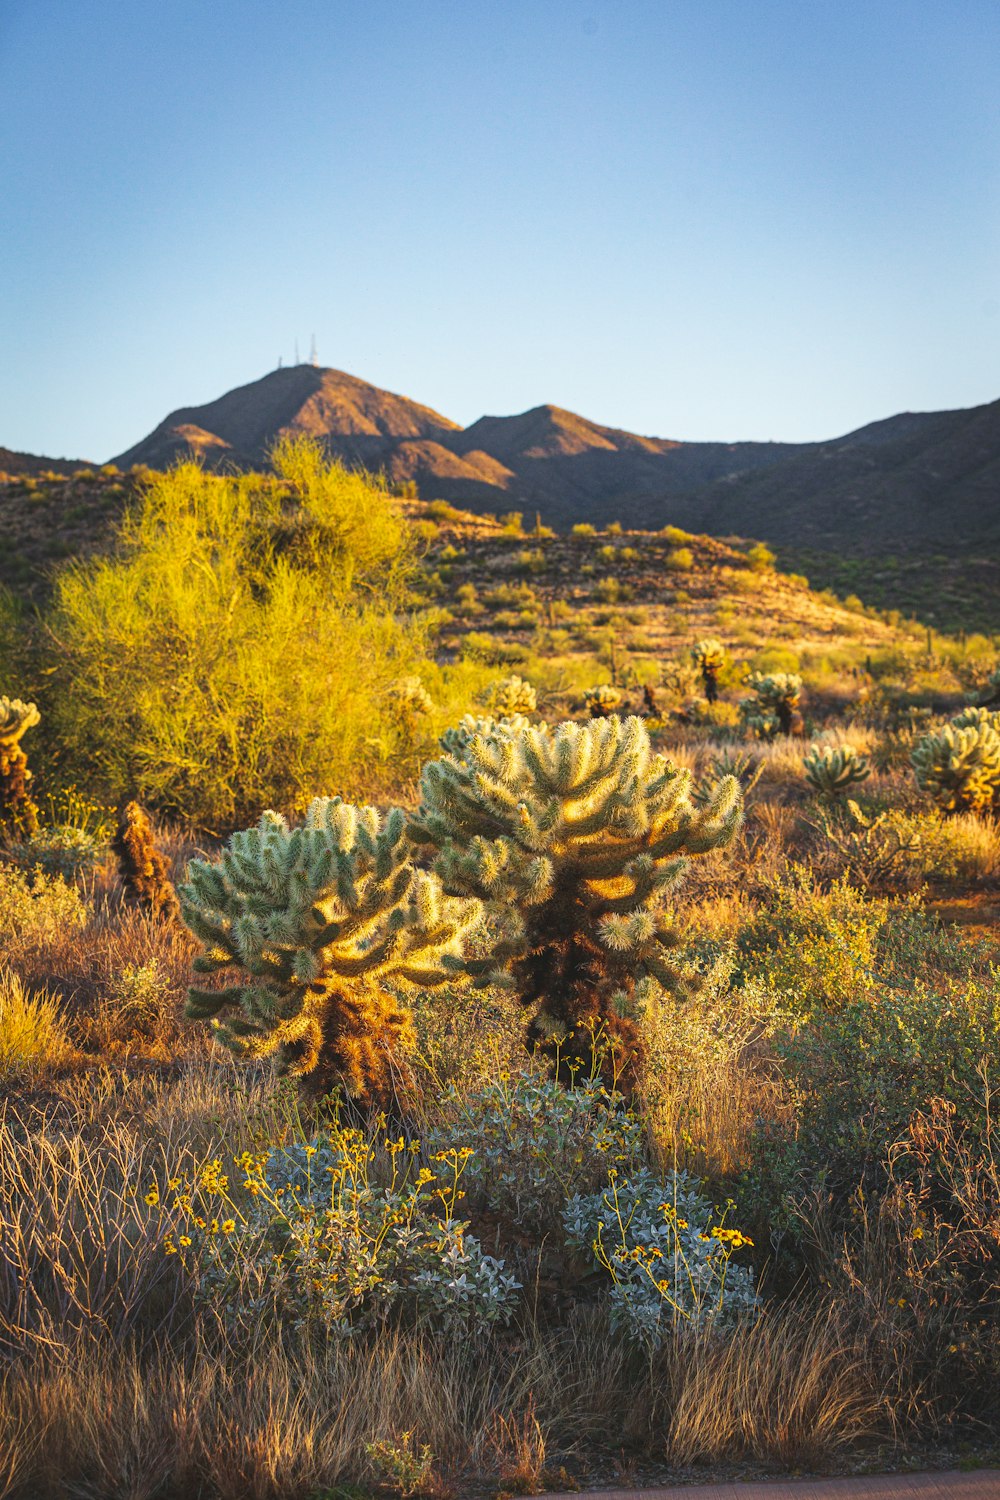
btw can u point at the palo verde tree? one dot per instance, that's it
(18, 813)
(573, 836)
(324, 924)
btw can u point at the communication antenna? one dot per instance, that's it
(297, 360)
(280, 358)
(313, 356)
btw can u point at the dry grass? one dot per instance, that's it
(103, 1418)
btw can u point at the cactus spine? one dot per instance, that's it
(18, 813)
(573, 836)
(833, 769)
(327, 922)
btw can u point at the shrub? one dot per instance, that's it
(325, 923)
(60, 849)
(670, 1265)
(36, 909)
(583, 528)
(574, 837)
(760, 557)
(536, 1144)
(679, 559)
(481, 647)
(197, 662)
(341, 1232)
(32, 1031)
(815, 949)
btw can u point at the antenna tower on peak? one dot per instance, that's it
(313, 355)
(297, 360)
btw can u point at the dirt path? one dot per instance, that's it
(982, 1484)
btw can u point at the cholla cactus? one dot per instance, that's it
(709, 657)
(18, 813)
(410, 699)
(456, 741)
(959, 764)
(327, 921)
(574, 836)
(141, 866)
(509, 696)
(832, 769)
(992, 689)
(602, 701)
(775, 707)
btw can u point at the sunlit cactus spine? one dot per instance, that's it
(959, 764)
(509, 696)
(142, 868)
(602, 701)
(323, 925)
(709, 657)
(456, 740)
(775, 707)
(18, 813)
(573, 836)
(831, 769)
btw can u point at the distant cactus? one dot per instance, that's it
(831, 770)
(324, 924)
(992, 689)
(509, 696)
(602, 701)
(959, 764)
(410, 699)
(709, 657)
(141, 866)
(573, 836)
(18, 813)
(774, 708)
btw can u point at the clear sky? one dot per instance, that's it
(690, 218)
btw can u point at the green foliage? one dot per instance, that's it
(583, 528)
(959, 764)
(480, 646)
(573, 836)
(679, 560)
(36, 909)
(816, 949)
(18, 813)
(760, 557)
(324, 923)
(536, 1144)
(236, 649)
(858, 1074)
(833, 769)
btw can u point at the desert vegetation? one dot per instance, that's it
(484, 1011)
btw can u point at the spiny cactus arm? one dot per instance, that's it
(15, 719)
(202, 1004)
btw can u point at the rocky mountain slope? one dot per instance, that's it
(913, 481)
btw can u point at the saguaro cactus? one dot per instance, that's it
(574, 836)
(327, 922)
(141, 866)
(709, 657)
(18, 813)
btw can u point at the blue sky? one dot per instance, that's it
(701, 219)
